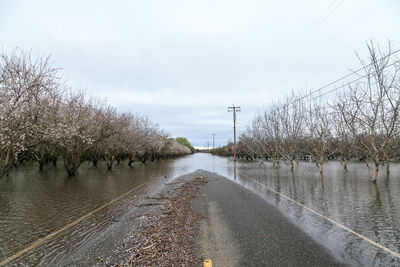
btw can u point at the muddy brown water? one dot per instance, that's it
(34, 204)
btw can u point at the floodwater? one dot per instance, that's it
(348, 198)
(34, 204)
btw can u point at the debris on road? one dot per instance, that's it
(168, 239)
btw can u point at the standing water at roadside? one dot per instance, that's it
(34, 204)
(348, 198)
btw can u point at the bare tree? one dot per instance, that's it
(319, 121)
(291, 117)
(345, 143)
(371, 108)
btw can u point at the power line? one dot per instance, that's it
(314, 25)
(314, 51)
(344, 85)
(245, 124)
(344, 77)
(335, 89)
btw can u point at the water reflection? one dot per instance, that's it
(346, 197)
(234, 170)
(34, 204)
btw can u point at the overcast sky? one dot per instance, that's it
(183, 62)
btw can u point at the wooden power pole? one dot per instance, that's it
(234, 109)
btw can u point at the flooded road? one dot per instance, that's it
(34, 204)
(348, 198)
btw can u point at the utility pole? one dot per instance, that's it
(213, 143)
(234, 109)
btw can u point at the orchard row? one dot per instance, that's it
(360, 122)
(42, 119)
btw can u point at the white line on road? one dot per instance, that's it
(326, 218)
(53, 234)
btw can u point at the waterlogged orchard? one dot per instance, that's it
(42, 119)
(361, 122)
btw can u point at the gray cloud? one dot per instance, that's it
(184, 62)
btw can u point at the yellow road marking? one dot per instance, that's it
(207, 263)
(53, 234)
(326, 218)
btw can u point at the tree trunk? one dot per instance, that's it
(71, 165)
(41, 164)
(387, 168)
(376, 171)
(110, 161)
(4, 171)
(130, 161)
(6, 163)
(71, 169)
(345, 164)
(387, 158)
(321, 164)
(273, 162)
(291, 166)
(109, 165)
(143, 159)
(94, 162)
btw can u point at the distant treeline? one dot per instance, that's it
(360, 122)
(42, 119)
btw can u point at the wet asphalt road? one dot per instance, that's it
(241, 229)
(238, 229)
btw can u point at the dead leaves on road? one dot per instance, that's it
(168, 241)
